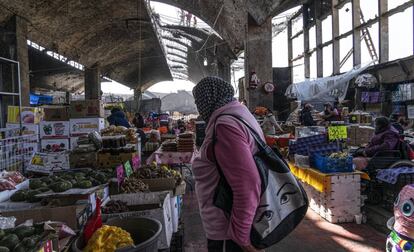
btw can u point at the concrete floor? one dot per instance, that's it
(313, 234)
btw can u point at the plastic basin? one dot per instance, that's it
(144, 231)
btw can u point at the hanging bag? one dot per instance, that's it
(283, 202)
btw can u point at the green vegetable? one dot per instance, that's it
(29, 242)
(30, 196)
(20, 248)
(10, 241)
(36, 183)
(61, 186)
(43, 189)
(4, 249)
(85, 184)
(2, 234)
(101, 178)
(24, 231)
(19, 196)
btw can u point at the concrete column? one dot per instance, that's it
(224, 70)
(14, 46)
(318, 30)
(335, 33)
(92, 82)
(356, 21)
(137, 99)
(306, 41)
(383, 31)
(289, 42)
(258, 58)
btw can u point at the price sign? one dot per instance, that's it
(337, 132)
(128, 168)
(135, 162)
(120, 174)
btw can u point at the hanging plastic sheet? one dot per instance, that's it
(323, 89)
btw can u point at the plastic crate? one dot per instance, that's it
(302, 161)
(391, 191)
(331, 165)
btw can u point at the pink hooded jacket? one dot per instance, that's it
(234, 152)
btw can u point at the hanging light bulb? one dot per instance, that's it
(205, 62)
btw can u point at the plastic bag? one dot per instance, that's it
(94, 223)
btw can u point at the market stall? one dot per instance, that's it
(91, 180)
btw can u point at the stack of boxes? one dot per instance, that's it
(54, 129)
(30, 126)
(86, 116)
(359, 135)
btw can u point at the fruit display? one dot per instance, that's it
(339, 155)
(9, 180)
(21, 239)
(133, 185)
(114, 142)
(62, 182)
(108, 239)
(115, 206)
(130, 134)
(158, 171)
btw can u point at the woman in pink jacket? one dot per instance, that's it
(234, 150)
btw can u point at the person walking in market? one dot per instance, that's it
(270, 124)
(138, 121)
(233, 152)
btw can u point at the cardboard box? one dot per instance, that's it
(49, 162)
(160, 184)
(56, 129)
(56, 113)
(29, 115)
(86, 108)
(174, 213)
(54, 145)
(155, 205)
(74, 216)
(84, 126)
(27, 129)
(83, 160)
(107, 160)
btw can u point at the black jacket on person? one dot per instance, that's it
(306, 118)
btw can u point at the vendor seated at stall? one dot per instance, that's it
(330, 113)
(118, 118)
(306, 118)
(269, 124)
(400, 123)
(386, 138)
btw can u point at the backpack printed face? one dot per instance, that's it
(278, 203)
(404, 212)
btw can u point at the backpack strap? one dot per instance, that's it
(260, 143)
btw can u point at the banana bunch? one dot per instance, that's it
(339, 155)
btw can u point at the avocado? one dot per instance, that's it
(101, 178)
(43, 189)
(31, 196)
(36, 183)
(4, 249)
(61, 186)
(10, 241)
(19, 196)
(85, 184)
(29, 242)
(20, 248)
(24, 231)
(2, 234)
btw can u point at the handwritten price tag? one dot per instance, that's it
(128, 168)
(337, 132)
(135, 162)
(120, 174)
